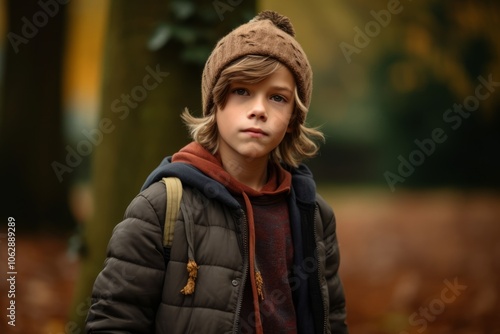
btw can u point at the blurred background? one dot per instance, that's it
(405, 91)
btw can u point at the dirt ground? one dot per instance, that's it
(420, 262)
(412, 262)
(43, 285)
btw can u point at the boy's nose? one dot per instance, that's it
(258, 110)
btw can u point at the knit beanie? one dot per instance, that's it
(268, 34)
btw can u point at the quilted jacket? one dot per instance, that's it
(139, 292)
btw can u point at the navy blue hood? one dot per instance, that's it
(191, 176)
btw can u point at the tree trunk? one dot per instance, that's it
(31, 117)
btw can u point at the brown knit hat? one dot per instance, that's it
(268, 34)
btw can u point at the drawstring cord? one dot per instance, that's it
(256, 281)
(192, 269)
(259, 281)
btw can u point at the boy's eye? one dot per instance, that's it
(240, 91)
(278, 98)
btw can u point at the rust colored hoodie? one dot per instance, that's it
(267, 215)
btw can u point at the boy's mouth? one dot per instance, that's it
(255, 132)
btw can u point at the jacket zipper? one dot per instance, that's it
(325, 318)
(245, 271)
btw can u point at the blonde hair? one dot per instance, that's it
(296, 146)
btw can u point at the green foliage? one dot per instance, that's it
(195, 26)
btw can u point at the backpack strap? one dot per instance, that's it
(174, 194)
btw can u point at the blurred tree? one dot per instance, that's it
(446, 50)
(153, 60)
(31, 117)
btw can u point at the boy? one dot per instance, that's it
(258, 243)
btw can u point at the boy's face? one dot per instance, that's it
(256, 117)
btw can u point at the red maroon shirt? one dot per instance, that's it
(274, 258)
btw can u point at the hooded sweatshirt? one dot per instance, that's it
(267, 214)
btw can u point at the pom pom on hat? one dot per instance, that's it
(268, 34)
(277, 19)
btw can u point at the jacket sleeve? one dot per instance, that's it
(337, 315)
(127, 292)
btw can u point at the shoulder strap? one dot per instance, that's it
(174, 194)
